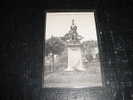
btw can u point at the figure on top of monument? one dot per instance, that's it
(73, 26)
(73, 35)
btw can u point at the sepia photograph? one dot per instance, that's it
(71, 54)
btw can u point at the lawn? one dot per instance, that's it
(91, 77)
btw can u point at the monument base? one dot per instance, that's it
(77, 69)
(74, 57)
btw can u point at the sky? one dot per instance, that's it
(58, 24)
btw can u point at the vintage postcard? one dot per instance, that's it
(71, 51)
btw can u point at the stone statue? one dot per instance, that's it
(74, 50)
(73, 35)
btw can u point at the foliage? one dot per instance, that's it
(89, 49)
(54, 45)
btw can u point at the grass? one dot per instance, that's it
(75, 79)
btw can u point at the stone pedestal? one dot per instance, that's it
(74, 57)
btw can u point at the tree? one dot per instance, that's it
(54, 46)
(89, 49)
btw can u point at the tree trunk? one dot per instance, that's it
(52, 67)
